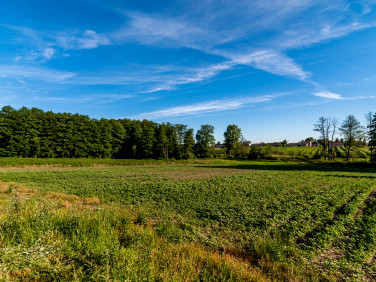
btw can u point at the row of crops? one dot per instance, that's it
(306, 152)
(314, 215)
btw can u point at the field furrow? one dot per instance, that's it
(320, 218)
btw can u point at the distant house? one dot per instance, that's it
(274, 144)
(306, 144)
(219, 146)
(300, 144)
(293, 144)
(258, 144)
(336, 144)
(315, 143)
(247, 143)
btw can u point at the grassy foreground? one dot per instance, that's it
(54, 236)
(203, 220)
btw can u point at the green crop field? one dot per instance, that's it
(188, 220)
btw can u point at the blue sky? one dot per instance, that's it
(271, 67)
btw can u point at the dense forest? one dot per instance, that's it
(35, 133)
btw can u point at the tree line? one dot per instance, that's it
(352, 131)
(35, 133)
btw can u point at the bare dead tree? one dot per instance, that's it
(334, 125)
(327, 127)
(320, 127)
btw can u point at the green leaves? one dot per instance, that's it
(38, 134)
(232, 136)
(205, 139)
(283, 212)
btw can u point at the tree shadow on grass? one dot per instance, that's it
(319, 167)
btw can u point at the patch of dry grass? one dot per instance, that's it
(167, 261)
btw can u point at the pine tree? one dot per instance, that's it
(147, 140)
(163, 146)
(372, 138)
(189, 143)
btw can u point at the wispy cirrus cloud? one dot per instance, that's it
(48, 53)
(306, 36)
(46, 45)
(183, 31)
(158, 29)
(76, 39)
(190, 75)
(328, 95)
(256, 34)
(273, 62)
(334, 96)
(235, 42)
(99, 98)
(42, 55)
(191, 29)
(205, 107)
(34, 73)
(191, 25)
(268, 60)
(167, 77)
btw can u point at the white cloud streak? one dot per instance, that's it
(333, 96)
(273, 62)
(211, 33)
(267, 60)
(47, 45)
(307, 36)
(205, 24)
(190, 75)
(180, 32)
(150, 30)
(89, 39)
(251, 33)
(100, 98)
(206, 107)
(328, 95)
(48, 53)
(34, 73)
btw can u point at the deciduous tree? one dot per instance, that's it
(327, 127)
(205, 139)
(232, 136)
(351, 129)
(189, 143)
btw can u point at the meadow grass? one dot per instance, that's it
(54, 236)
(230, 220)
(76, 162)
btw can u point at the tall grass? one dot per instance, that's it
(196, 220)
(61, 237)
(79, 162)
